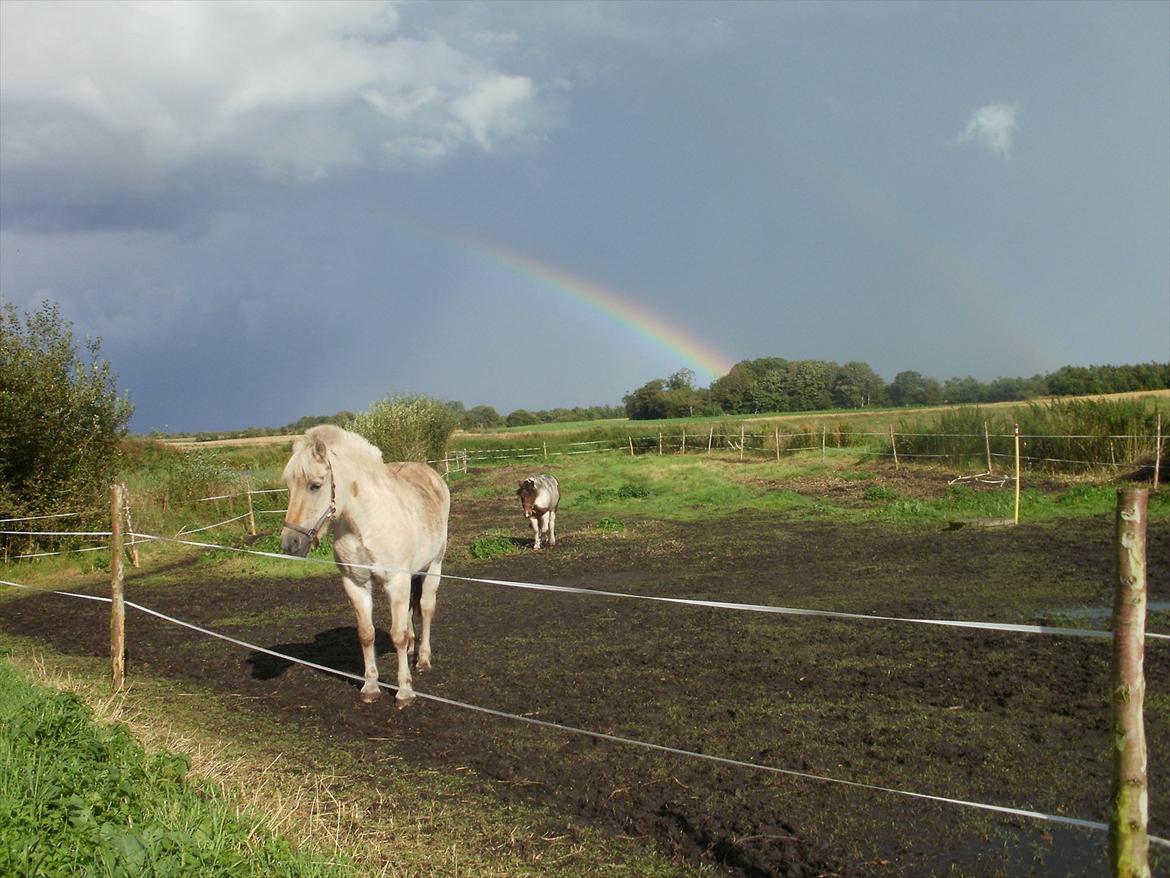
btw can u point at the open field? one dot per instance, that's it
(1001, 718)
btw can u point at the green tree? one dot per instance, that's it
(61, 417)
(521, 418)
(648, 402)
(856, 386)
(482, 416)
(408, 427)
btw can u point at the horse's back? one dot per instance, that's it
(432, 492)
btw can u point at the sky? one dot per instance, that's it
(272, 210)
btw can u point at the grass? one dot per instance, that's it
(349, 816)
(74, 792)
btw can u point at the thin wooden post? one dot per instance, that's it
(117, 607)
(777, 445)
(1158, 452)
(710, 439)
(894, 446)
(631, 446)
(130, 527)
(1016, 432)
(987, 445)
(252, 510)
(824, 436)
(684, 441)
(1129, 807)
(659, 443)
(544, 444)
(742, 436)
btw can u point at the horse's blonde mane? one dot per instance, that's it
(357, 450)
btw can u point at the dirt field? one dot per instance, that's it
(1014, 720)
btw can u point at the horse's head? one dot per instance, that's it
(312, 496)
(527, 493)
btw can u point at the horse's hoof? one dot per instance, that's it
(403, 699)
(422, 664)
(369, 696)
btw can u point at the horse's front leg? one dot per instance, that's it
(536, 530)
(427, 602)
(398, 590)
(362, 598)
(552, 528)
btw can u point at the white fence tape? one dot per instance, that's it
(617, 739)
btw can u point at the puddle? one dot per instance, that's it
(1098, 612)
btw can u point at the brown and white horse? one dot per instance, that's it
(539, 497)
(389, 522)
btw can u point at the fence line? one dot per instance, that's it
(1001, 627)
(1094, 825)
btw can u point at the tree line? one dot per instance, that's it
(774, 384)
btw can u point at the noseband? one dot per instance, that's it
(326, 516)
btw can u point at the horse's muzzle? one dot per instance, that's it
(293, 543)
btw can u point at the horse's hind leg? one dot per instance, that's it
(415, 594)
(552, 528)
(363, 607)
(427, 601)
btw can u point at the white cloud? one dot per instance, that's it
(993, 127)
(148, 91)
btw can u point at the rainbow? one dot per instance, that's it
(695, 353)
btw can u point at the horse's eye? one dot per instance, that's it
(315, 486)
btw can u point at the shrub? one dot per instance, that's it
(408, 427)
(492, 545)
(60, 416)
(610, 524)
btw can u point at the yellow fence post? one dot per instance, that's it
(117, 607)
(1129, 840)
(1016, 431)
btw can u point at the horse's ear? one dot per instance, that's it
(319, 450)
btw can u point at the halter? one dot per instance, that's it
(326, 516)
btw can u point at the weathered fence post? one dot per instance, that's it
(544, 445)
(777, 445)
(1158, 452)
(987, 445)
(894, 446)
(631, 438)
(117, 607)
(252, 509)
(659, 443)
(684, 441)
(1016, 432)
(710, 439)
(1129, 807)
(824, 436)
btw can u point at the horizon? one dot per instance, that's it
(264, 210)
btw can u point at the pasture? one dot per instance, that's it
(1005, 718)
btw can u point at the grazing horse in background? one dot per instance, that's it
(391, 519)
(539, 496)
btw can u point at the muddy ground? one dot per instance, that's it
(1009, 719)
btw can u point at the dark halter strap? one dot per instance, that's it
(326, 516)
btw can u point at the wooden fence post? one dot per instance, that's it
(777, 445)
(659, 443)
(1129, 807)
(824, 436)
(1016, 432)
(1158, 452)
(742, 437)
(631, 438)
(545, 446)
(117, 607)
(987, 445)
(710, 438)
(684, 441)
(894, 445)
(252, 510)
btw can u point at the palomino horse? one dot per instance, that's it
(389, 521)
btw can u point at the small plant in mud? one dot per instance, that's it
(609, 524)
(880, 493)
(628, 491)
(492, 545)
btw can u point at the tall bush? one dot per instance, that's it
(61, 417)
(408, 427)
